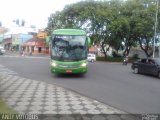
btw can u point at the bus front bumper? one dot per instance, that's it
(68, 70)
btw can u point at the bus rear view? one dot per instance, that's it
(69, 49)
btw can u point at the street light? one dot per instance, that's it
(155, 29)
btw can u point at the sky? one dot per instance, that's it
(34, 12)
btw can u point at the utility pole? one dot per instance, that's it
(155, 28)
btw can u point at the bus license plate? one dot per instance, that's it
(68, 71)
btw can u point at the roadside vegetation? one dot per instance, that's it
(5, 109)
(118, 59)
(120, 24)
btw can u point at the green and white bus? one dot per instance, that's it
(69, 49)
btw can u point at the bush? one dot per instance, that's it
(114, 54)
(134, 58)
(118, 59)
(110, 59)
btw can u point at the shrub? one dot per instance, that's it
(110, 59)
(133, 58)
(115, 54)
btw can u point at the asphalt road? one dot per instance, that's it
(112, 84)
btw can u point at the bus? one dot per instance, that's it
(69, 50)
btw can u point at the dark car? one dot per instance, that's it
(147, 66)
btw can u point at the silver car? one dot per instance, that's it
(2, 50)
(91, 57)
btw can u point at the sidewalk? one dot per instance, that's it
(30, 96)
(17, 53)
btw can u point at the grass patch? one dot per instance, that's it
(5, 109)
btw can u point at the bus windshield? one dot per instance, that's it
(69, 48)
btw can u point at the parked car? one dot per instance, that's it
(147, 66)
(91, 57)
(2, 50)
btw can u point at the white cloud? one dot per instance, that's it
(35, 12)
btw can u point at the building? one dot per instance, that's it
(35, 45)
(42, 34)
(1, 38)
(26, 39)
(2, 32)
(93, 50)
(16, 36)
(18, 40)
(7, 41)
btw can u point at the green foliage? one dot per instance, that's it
(110, 59)
(134, 58)
(110, 22)
(117, 59)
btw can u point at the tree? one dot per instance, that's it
(54, 22)
(120, 30)
(142, 22)
(110, 22)
(94, 17)
(126, 27)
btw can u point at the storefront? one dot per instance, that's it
(36, 46)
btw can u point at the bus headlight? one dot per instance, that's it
(53, 64)
(84, 64)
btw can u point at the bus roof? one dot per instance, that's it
(69, 32)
